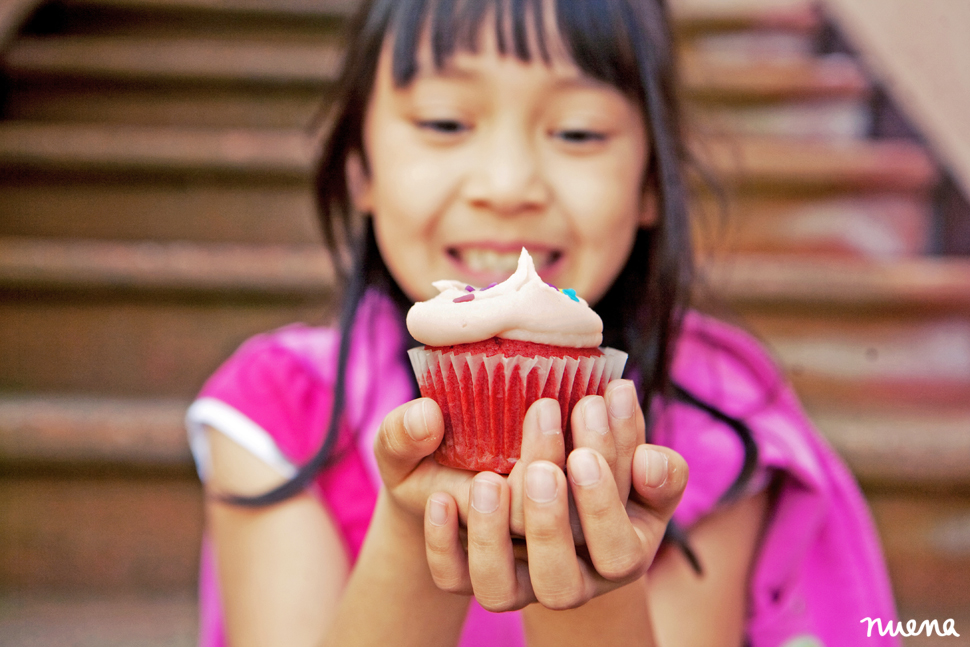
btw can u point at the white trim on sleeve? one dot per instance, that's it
(210, 412)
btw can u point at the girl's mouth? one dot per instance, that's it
(489, 264)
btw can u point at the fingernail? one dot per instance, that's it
(594, 415)
(437, 512)
(484, 495)
(540, 483)
(549, 417)
(623, 401)
(416, 421)
(584, 469)
(656, 468)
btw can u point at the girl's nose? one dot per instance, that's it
(507, 177)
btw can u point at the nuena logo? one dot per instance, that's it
(949, 628)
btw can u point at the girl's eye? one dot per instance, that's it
(444, 126)
(579, 136)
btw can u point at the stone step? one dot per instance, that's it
(147, 208)
(280, 155)
(188, 106)
(100, 534)
(875, 225)
(160, 60)
(855, 331)
(742, 163)
(92, 620)
(926, 541)
(94, 432)
(711, 79)
(878, 226)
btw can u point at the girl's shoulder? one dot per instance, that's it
(279, 385)
(730, 372)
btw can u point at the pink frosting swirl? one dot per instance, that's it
(523, 307)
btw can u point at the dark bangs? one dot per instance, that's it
(597, 34)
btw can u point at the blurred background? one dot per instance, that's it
(156, 210)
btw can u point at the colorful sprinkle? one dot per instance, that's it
(490, 285)
(465, 298)
(469, 288)
(571, 293)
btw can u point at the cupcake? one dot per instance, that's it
(490, 352)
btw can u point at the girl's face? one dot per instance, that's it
(468, 164)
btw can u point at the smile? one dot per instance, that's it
(494, 264)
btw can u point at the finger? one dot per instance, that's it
(628, 427)
(615, 549)
(407, 435)
(447, 560)
(659, 478)
(557, 579)
(591, 428)
(542, 439)
(498, 581)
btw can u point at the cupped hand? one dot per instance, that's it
(624, 491)
(404, 446)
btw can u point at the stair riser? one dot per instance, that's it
(927, 545)
(186, 106)
(100, 535)
(230, 212)
(150, 349)
(871, 227)
(870, 356)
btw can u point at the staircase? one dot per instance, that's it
(155, 211)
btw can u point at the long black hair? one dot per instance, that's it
(625, 43)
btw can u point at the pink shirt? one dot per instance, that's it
(819, 570)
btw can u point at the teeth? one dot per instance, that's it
(489, 260)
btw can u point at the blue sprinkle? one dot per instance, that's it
(571, 293)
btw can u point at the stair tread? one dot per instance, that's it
(908, 447)
(799, 17)
(697, 17)
(889, 164)
(297, 8)
(712, 77)
(213, 59)
(84, 429)
(195, 59)
(27, 262)
(892, 165)
(913, 282)
(287, 153)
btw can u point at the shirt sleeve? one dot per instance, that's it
(269, 397)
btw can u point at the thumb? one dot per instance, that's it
(407, 435)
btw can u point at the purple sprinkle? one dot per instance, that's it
(465, 298)
(490, 285)
(552, 286)
(469, 288)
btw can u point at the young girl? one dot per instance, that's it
(464, 130)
